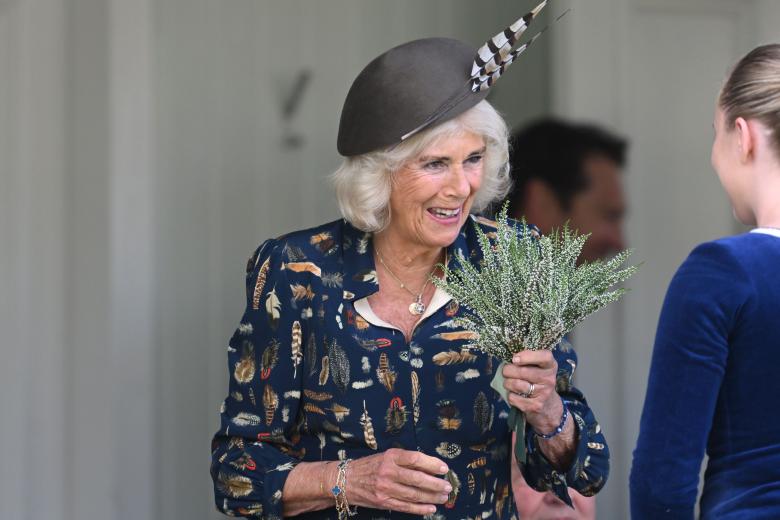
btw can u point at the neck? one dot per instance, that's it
(410, 257)
(769, 220)
(766, 207)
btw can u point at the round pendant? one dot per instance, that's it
(416, 308)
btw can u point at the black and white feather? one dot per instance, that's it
(496, 55)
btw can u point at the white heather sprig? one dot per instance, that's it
(528, 291)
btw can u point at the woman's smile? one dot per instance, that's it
(446, 216)
(433, 193)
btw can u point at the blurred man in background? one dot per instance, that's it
(533, 505)
(566, 172)
(570, 172)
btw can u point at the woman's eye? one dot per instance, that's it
(474, 159)
(434, 165)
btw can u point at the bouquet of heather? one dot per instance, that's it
(529, 292)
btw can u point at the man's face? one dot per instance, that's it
(600, 208)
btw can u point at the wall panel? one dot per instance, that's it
(15, 358)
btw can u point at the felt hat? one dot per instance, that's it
(422, 83)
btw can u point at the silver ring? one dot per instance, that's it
(529, 394)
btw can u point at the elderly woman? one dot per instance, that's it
(713, 381)
(351, 391)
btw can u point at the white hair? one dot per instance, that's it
(363, 182)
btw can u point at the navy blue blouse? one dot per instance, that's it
(713, 385)
(312, 378)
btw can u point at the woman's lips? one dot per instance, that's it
(445, 215)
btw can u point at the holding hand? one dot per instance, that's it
(401, 480)
(530, 381)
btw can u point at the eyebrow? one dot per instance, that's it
(428, 158)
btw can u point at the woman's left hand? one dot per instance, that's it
(530, 380)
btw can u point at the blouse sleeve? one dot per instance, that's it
(688, 365)
(256, 445)
(589, 469)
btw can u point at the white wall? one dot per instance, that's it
(33, 263)
(141, 161)
(76, 432)
(767, 16)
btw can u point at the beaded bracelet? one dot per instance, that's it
(559, 429)
(340, 492)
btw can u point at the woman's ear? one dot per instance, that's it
(746, 138)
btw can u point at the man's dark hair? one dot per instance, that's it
(554, 151)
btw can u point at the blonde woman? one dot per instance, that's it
(713, 381)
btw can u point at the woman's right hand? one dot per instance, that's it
(399, 480)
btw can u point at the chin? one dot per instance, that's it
(443, 240)
(444, 236)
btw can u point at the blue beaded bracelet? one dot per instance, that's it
(557, 430)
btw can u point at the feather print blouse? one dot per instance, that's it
(315, 375)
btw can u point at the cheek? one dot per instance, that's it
(719, 157)
(475, 179)
(712, 156)
(716, 162)
(586, 506)
(528, 501)
(410, 191)
(582, 215)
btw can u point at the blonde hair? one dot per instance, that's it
(752, 90)
(363, 183)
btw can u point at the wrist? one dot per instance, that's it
(327, 480)
(339, 491)
(554, 423)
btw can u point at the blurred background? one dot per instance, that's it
(148, 146)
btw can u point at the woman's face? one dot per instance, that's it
(725, 160)
(432, 193)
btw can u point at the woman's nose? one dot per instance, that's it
(458, 185)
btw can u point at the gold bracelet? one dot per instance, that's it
(340, 492)
(322, 479)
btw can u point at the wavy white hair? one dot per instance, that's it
(363, 183)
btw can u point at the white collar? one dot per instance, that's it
(439, 300)
(767, 231)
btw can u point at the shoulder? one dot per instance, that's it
(483, 223)
(314, 245)
(477, 225)
(725, 245)
(295, 259)
(714, 276)
(723, 257)
(487, 225)
(739, 261)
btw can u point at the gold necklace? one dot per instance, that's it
(417, 307)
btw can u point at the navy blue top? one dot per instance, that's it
(714, 384)
(311, 378)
